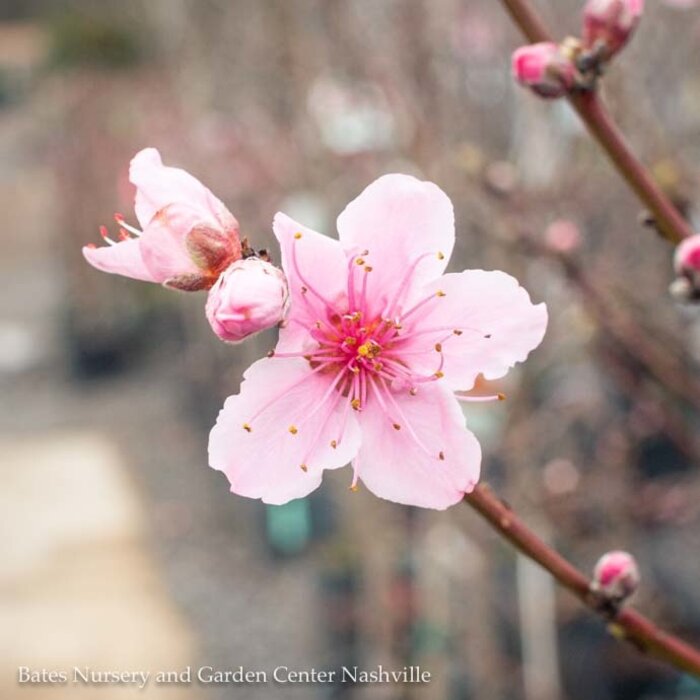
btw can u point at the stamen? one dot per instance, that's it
(304, 281)
(304, 468)
(120, 220)
(391, 307)
(105, 234)
(247, 428)
(480, 399)
(293, 429)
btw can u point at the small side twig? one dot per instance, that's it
(625, 622)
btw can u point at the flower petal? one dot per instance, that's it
(398, 219)
(124, 258)
(163, 242)
(321, 268)
(265, 461)
(394, 466)
(158, 186)
(499, 326)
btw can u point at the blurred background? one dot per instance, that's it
(121, 549)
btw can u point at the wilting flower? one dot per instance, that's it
(609, 24)
(250, 296)
(616, 575)
(544, 69)
(377, 341)
(188, 236)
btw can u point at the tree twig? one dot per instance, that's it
(667, 218)
(625, 623)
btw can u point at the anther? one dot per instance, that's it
(457, 332)
(413, 391)
(354, 488)
(396, 426)
(441, 456)
(304, 468)
(293, 429)
(334, 444)
(438, 347)
(247, 428)
(119, 218)
(439, 374)
(124, 235)
(440, 255)
(271, 353)
(297, 235)
(440, 293)
(501, 397)
(356, 404)
(359, 261)
(368, 268)
(350, 341)
(304, 290)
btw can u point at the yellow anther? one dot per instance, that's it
(364, 350)
(377, 366)
(247, 428)
(438, 347)
(441, 456)
(355, 370)
(334, 444)
(440, 293)
(397, 426)
(355, 403)
(304, 468)
(350, 340)
(439, 375)
(354, 488)
(297, 235)
(368, 268)
(501, 397)
(440, 255)
(360, 261)
(293, 429)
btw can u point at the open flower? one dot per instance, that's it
(188, 236)
(377, 341)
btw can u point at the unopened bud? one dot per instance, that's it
(686, 262)
(609, 24)
(544, 69)
(250, 296)
(616, 576)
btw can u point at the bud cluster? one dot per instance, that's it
(551, 70)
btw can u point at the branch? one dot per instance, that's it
(625, 623)
(667, 218)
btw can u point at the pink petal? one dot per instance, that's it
(158, 186)
(393, 466)
(321, 267)
(266, 462)
(163, 241)
(398, 219)
(479, 304)
(124, 258)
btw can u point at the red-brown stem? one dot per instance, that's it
(626, 623)
(668, 219)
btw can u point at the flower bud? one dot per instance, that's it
(250, 296)
(616, 576)
(544, 69)
(686, 262)
(609, 24)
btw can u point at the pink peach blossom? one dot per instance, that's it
(609, 24)
(544, 69)
(377, 341)
(616, 575)
(250, 296)
(188, 235)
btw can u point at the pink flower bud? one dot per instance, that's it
(609, 24)
(544, 69)
(686, 262)
(250, 296)
(616, 575)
